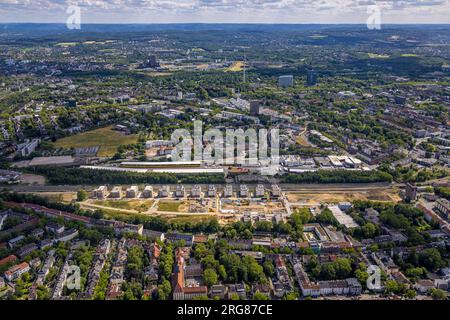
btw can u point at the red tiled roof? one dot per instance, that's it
(195, 290)
(16, 268)
(8, 259)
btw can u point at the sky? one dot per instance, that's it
(227, 11)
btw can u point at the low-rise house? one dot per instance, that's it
(55, 228)
(218, 290)
(8, 259)
(46, 243)
(36, 262)
(26, 250)
(240, 244)
(237, 289)
(399, 277)
(37, 233)
(153, 235)
(278, 289)
(263, 289)
(372, 215)
(200, 238)
(48, 263)
(15, 241)
(443, 206)
(151, 273)
(67, 235)
(174, 237)
(441, 284)
(193, 271)
(444, 272)
(349, 286)
(424, 286)
(194, 292)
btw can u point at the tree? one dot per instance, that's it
(210, 262)
(438, 294)
(247, 234)
(200, 251)
(269, 268)
(164, 290)
(210, 277)
(235, 296)
(259, 296)
(265, 226)
(390, 286)
(369, 230)
(326, 217)
(222, 272)
(343, 267)
(128, 295)
(290, 296)
(410, 294)
(82, 195)
(415, 273)
(431, 259)
(362, 276)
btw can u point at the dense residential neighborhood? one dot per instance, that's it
(250, 162)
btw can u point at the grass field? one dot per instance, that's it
(137, 205)
(378, 56)
(318, 36)
(236, 67)
(108, 140)
(66, 44)
(335, 197)
(188, 218)
(167, 206)
(303, 141)
(66, 197)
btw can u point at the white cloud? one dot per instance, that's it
(264, 11)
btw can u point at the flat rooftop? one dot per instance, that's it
(42, 161)
(343, 218)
